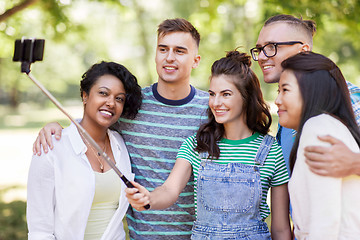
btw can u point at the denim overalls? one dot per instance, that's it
(228, 199)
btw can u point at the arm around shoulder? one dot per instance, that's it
(44, 138)
(336, 160)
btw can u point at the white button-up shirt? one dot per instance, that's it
(61, 188)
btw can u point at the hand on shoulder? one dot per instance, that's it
(334, 161)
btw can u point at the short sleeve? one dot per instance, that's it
(187, 150)
(281, 175)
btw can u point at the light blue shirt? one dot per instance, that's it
(355, 100)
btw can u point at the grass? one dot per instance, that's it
(12, 217)
(16, 128)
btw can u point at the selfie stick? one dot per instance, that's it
(25, 67)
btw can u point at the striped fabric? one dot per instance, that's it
(355, 100)
(153, 140)
(273, 172)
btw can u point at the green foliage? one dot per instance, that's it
(12, 218)
(337, 23)
(80, 33)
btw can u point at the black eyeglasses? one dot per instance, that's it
(269, 49)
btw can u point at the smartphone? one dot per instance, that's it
(29, 50)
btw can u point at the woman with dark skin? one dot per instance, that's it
(72, 192)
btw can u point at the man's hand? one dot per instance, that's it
(334, 161)
(44, 138)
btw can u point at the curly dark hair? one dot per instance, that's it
(133, 90)
(258, 117)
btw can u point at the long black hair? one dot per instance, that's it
(323, 90)
(258, 117)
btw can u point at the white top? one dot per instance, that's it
(324, 207)
(104, 205)
(61, 188)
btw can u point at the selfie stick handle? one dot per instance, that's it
(84, 133)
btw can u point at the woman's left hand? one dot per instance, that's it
(138, 196)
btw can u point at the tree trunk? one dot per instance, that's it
(14, 95)
(143, 36)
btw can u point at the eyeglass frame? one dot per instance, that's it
(275, 45)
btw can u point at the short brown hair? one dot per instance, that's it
(178, 25)
(308, 26)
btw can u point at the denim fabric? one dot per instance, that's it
(229, 197)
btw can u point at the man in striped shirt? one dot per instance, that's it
(171, 111)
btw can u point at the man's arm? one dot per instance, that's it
(44, 138)
(335, 161)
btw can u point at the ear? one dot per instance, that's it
(305, 47)
(84, 98)
(197, 59)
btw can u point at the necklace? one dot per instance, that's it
(97, 154)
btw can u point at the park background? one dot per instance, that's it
(79, 33)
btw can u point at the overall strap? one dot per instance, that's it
(264, 149)
(204, 155)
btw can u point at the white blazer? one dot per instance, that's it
(61, 188)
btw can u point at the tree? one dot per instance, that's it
(16, 8)
(125, 31)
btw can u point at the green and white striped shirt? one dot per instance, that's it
(273, 173)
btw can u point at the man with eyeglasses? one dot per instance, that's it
(283, 36)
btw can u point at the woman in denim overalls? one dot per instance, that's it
(233, 160)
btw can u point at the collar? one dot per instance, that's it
(78, 144)
(173, 102)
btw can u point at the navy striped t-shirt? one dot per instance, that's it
(153, 139)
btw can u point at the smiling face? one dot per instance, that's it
(176, 56)
(226, 101)
(279, 32)
(105, 102)
(289, 101)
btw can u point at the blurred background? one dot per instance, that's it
(79, 33)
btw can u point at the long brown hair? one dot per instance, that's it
(258, 117)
